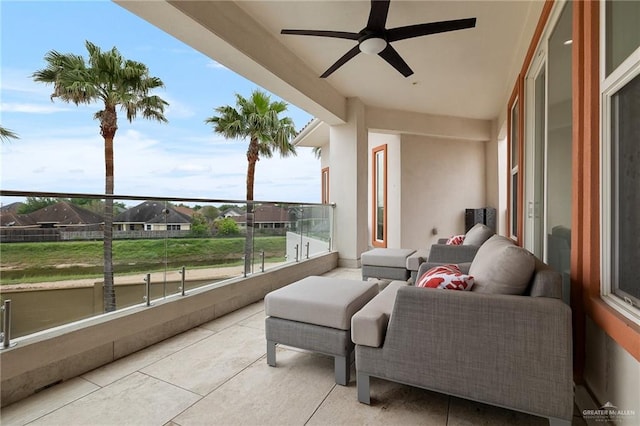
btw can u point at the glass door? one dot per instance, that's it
(535, 157)
(548, 147)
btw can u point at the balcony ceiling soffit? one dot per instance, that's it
(466, 73)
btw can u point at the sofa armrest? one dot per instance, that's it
(369, 324)
(513, 351)
(444, 253)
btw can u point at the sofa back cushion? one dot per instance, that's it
(501, 267)
(477, 235)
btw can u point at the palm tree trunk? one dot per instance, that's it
(108, 129)
(252, 158)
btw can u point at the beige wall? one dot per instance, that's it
(440, 178)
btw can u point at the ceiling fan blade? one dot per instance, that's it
(390, 55)
(378, 14)
(340, 62)
(410, 31)
(322, 33)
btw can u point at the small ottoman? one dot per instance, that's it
(315, 314)
(385, 263)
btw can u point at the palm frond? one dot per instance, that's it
(104, 76)
(6, 134)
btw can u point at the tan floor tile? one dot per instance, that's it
(207, 364)
(254, 321)
(123, 367)
(137, 399)
(345, 273)
(463, 412)
(228, 320)
(391, 404)
(46, 401)
(261, 395)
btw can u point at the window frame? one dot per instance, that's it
(324, 179)
(375, 241)
(515, 194)
(609, 86)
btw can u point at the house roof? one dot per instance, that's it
(13, 207)
(10, 218)
(151, 212)
(266, 214)
(65, 213)
(188, 211)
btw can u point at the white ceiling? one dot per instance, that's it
(460, 73)
(466, 73)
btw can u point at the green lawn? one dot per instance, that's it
(34, 262)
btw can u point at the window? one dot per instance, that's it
(173, 227)
(513, 214)
(620, 230)
(380, 196)
(325, 186)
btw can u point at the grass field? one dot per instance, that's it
(53, 261)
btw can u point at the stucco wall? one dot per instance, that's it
(440, 179)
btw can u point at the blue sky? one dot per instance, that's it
(60, 148)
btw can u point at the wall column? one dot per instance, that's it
(348, 187)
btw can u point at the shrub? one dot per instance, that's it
(227, 227)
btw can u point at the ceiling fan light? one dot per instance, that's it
(373, 46)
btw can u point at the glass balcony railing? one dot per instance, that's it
(52, 255)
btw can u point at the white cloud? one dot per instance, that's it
(32, 108)
(177, 109)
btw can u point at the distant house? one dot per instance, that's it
(232, 212)
(268, 217)
(59, 215)
(152, 216)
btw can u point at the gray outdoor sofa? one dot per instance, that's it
(444, 253)
(509, 350)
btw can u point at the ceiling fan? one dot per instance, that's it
(376, 39)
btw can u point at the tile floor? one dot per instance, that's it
(217, 374)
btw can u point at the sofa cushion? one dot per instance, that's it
(477, 235)
(501, 267)
(456, 240)
(369, 324)
(325, 301)
(446, 277)
(388, 257)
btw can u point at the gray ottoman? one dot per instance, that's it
(386, 263)
(315, 314)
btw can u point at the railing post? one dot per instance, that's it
(182, 279)
(147, 296)
(6, 325)
(262, 261)
(307, 246)
(297, 250)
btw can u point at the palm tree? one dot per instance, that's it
(6, 134)
(256, 119)
(108, 78)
